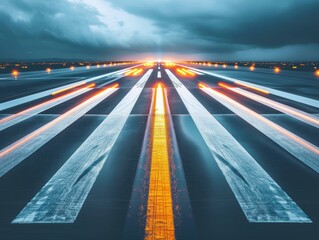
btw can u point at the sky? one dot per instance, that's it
(217, 30)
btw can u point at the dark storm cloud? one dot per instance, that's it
(258, 23)
(100, 29)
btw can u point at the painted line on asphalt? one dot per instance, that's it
(21, 149)
(159, 214)
(290, 96)
(260, 197)
(298, 147)
(293, 112)
(32, 97)
(29, 112)
(70, 186)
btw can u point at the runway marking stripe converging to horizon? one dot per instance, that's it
(297, 98)
(35, 96)
(300, 148)
(159, 217)
(29, 112)
(260, 197)
(70, 186)
(293, 112)
(21, 149)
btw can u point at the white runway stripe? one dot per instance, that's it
(290, 96)
(159, 74)
(29, 98)
(61, 199)
(293, 112)
(300, 148)
(21, 149)
(259, 196)
(21, 116)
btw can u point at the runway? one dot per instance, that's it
(159, 150)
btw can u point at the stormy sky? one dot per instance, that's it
(184, 29)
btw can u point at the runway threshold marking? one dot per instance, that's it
(32, 97)
(260, 197)
(62, 197)
(29, 112)
(159, 74)
(293, 112)
(21, 149)
(160, 216)
(296, 98)
(297, 146)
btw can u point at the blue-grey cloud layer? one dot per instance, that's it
(229, 29)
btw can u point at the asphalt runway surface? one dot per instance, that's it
(159, 151)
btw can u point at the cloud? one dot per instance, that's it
(100, 29)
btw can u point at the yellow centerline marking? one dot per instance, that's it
(159, 216)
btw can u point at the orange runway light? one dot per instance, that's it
(88, 67)
(277, 70)
(317, 73)
(48, 70)
(181, 72)
(252, 68)
(129, 72)
(68, 88)
(72, 68)
(15, 73)
(189, 72)
(216, 65)
(236, 66)
(251, 87)
(139, 71)
(224, 85)
(160, 215)
(224, 66)
(98, 65)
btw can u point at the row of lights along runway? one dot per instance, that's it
(183, 71)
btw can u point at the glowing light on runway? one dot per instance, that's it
(317, 73)
(48, 70)
(260, 197)
(169, 64)
(303, 116)
(138, 72)
(189, 72)
(236, 66)
(130, 71)
(224, 66)
(68, 88)
(277, 70)
(251, 87)
(15, 73)
(72, 68)
(160, 217)
(181, 72)
(300, 148)
(88, 67)
(252, 68)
